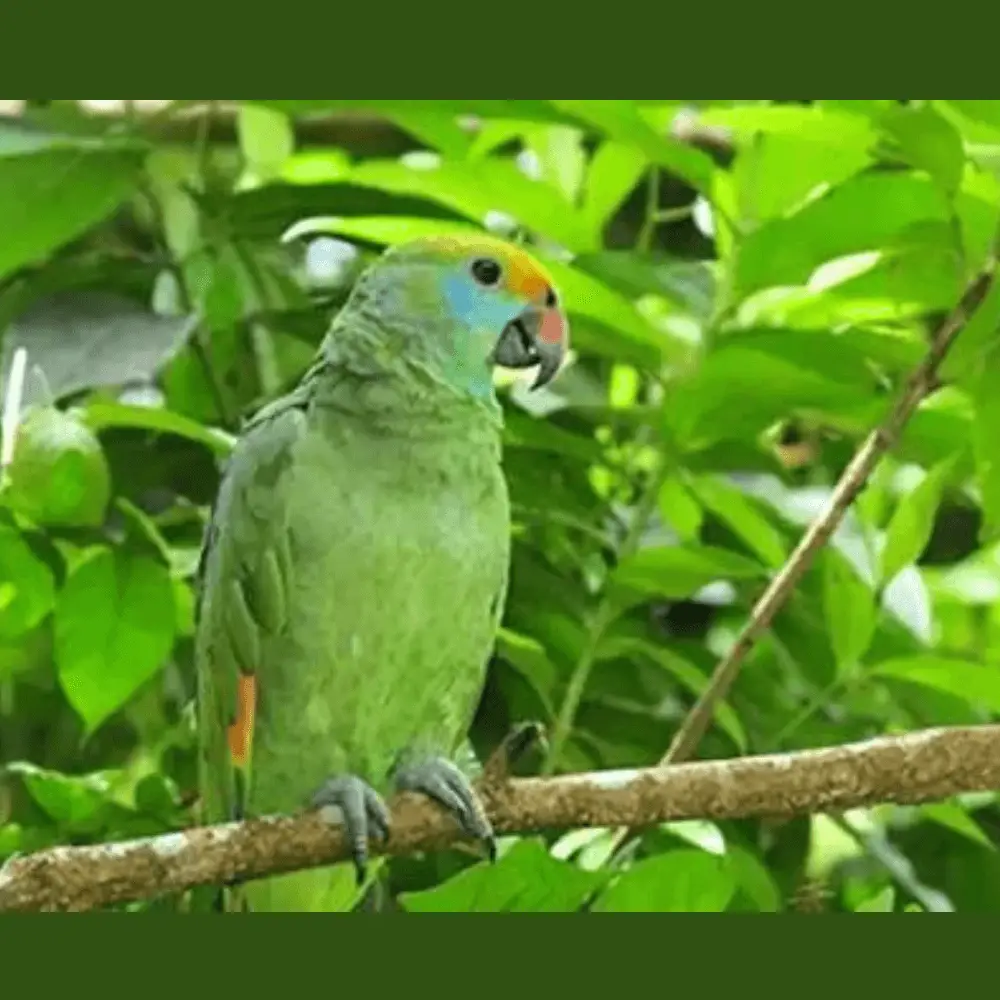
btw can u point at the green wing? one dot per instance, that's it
(244, 590)
(245, 585)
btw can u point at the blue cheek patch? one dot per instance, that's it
(482, 311)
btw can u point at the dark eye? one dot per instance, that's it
(487, 272)
(551, 300)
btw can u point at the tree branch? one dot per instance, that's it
(924, 767)
(356, 129)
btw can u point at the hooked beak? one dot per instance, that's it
(539, 336)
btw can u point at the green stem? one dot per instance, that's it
(13, 742)
(261, 341)
(541, 517)
(822, 699)
(601, 620)
(664, 216)
(648, 231)
(199, 337)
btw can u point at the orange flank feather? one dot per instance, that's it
(241, 731)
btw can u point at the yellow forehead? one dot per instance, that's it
(523, 274)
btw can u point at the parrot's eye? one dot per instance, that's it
(551, 300)
(487, 272)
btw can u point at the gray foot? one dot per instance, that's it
(365, 816)
(445, 785)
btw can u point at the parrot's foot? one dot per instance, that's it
(445, 784)
(364, 812)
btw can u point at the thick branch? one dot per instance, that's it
(921, 768)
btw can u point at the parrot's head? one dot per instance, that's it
(485, 303)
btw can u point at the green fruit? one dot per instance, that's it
(59, 476)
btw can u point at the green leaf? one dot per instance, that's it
(942, 428)
(681, 510)
(867, 290)
(872, 210)
(739, 392)
(679, 573)
(986, 396)
(928, 142)
(27, 653)
(744, 517)
(542, 111)
(977, 340)
(701, 834)
(850, 610)
(621, 121)
(682, 670)
(91, 340)
(60, 475)
(115, 627)
(753, 877)
(71, 801)
(953, 817)
(526, 880)
(912, 525)
(974, 683)
(101, 415)
(679, 882)
(267, 140)
(787, 154)
(477, 187)
(987, 112)
(872, 110)
(614, 172)
(884, 902)
(689, 285)
(530, 659)
(826, 122)
(54, 187)
(389, 230)
(562, 157)
(27, 585)
(438, 129)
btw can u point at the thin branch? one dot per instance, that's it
(920, 385)
(878, 847)
(924, 767)
(918, 388)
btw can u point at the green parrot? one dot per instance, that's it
(354, 571)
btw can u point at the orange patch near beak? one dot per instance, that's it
(554, 329)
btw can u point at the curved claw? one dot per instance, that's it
(443, 783)
(364, 813)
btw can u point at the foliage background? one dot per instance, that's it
(749, 282)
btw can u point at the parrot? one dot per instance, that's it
(354, 571)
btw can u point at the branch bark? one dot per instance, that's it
(924, 767)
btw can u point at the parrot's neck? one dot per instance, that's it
(411, 365)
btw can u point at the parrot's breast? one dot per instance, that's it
(399, 553)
